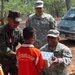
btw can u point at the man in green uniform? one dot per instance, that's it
(10, 36)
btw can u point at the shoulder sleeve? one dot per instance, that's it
(52, 22)
(29, 20)
(20, 35)
(4, 48)
(66, 57)
(40, 64)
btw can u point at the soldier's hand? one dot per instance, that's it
(11, 53)
(54, 60)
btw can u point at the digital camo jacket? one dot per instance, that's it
(42, 24)
(64, 56)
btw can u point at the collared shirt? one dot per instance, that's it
(29, 59)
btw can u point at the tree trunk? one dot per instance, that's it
(2, 11)
(68, 4)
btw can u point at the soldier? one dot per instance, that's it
(10, 36)
(42, 22)
(62, 54)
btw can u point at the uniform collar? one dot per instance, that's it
(42, 16)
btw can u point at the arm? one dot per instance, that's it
(4, 49)
(27, 23)
(66, 58)
(40, 64)
(52, 23)
(21, 39)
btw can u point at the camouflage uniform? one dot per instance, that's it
(8, 42)
(64, 56)
(42, 25)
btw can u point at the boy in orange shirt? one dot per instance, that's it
(30, 60)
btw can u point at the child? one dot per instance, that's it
(30, 60)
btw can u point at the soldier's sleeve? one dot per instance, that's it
(4, 49)
(66, 57)
(21, 39)
(52, 23)
(27, 22)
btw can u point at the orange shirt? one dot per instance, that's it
(29, 59)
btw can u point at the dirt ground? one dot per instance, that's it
(71, 45)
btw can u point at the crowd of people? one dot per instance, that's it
(39, 34)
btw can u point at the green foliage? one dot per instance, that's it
(21, 5)
(54, 7)
(57, 7)
(72, 3)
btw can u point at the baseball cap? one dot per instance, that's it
(39, 3)
(53, 33)
(15, 15)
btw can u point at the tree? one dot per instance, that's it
(68, 4)
(7, 0)
(57, 7)
(2, 11)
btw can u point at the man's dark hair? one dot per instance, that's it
(28, 32)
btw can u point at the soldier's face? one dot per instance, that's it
(13, 24)
(52, 40)
(39, 10)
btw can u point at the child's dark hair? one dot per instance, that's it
(28, 32)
